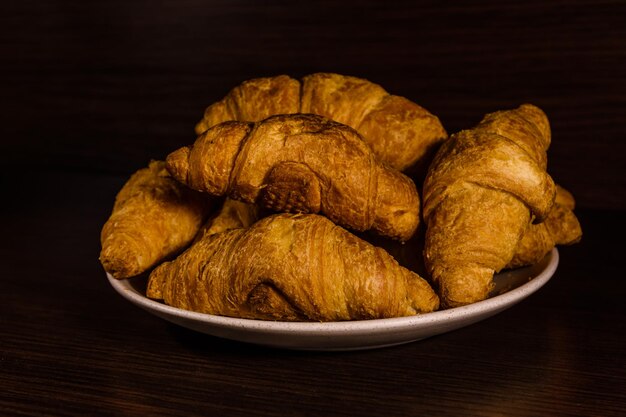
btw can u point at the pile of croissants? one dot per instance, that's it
(269, 214)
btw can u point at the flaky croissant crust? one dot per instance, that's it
(154, 217)
(291, 267)
(398, 131)
(481, 192)
(490, 160)
(561, 227)
(301, 163)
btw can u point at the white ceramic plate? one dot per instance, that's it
(511, 288)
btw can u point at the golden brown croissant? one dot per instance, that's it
(481, 192)
(154, 217)
(399, 131)
(290, 267)
(301, 163)
(561, 227)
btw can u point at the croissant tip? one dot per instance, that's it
(177, 164)
(119, 265)
(200, 127)
(156, 282)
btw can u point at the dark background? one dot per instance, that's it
(103, 86)
(90, 91)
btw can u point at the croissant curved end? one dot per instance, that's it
(201, 127)
(115, 259)
(156, 282)
(177, 164)
(538, 117)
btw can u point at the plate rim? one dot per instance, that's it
(481, 308)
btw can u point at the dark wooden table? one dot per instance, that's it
(92, 90)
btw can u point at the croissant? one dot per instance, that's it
(301, 163)
(481, 192)
(561, 227)
(290, 267)
(398, 131)
(154, 217)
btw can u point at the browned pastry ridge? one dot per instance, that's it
(301, 163)
(154, 217)
(292, 267)
(398, 131)
(482, 190)
(561, 227)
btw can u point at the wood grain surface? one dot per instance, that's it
(70, 345)
(91, 91)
